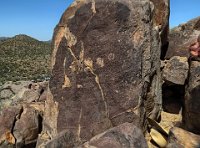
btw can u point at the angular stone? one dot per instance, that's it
(125, 135)
(176, 70)
(27, 127)
(192, 101)
(106, 58)
(179, 138)
(33, 92)
(7, 120)
(181, 37)
(9, 90)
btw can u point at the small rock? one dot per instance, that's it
(179, 138)
(123, 136)
(176, 70)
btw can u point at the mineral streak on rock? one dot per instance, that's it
(103, 54)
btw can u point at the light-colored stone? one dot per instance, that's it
(27, 126)
(179, 138)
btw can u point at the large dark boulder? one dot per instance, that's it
(105, 68)
(123, 136)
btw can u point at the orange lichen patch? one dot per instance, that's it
(10, 138)
(7, 136)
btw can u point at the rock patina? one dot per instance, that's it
(105, 59)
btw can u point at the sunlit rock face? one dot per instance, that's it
(181, 37)
(105, 68)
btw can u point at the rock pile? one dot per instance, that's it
(22, 114)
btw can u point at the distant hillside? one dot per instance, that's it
(3, 38)
(24, 58)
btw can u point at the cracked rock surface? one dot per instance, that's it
(105, 65)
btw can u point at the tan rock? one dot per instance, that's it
(179, 138)
(27, 127)
(7, 120)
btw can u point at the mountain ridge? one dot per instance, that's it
(24, 58)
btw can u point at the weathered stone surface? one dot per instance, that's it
(123, 136)
(161, 20)
(32, 92)
(7, 120)
(176, 70)
(8, 90)
(181, 37)
(105, 62)
(27, 127)
(179, 138)
(192, 101)
(63, 140)
(22, 91)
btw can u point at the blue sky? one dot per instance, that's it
(38, 18)
(183, 10)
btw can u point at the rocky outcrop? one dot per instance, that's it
(27, 127)
(7, 120)
(9, 90)
(20, 125)
(13, 93)
(179, 138)
(105, 67)
(181, 37)
(192, 101)
(21, 122)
